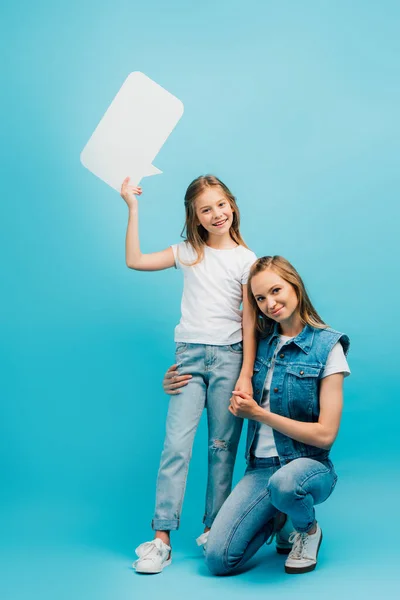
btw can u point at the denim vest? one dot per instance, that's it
(295, 384)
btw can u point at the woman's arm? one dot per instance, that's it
(155, 261)
(321, 434)
(249, 346)
(172, 381)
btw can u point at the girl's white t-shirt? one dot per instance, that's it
(212, 294)
(264, 444)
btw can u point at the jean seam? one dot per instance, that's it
(313, 475)
(302, 500)
(239, 521)
(187, 462)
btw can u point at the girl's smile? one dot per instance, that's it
(214, 212)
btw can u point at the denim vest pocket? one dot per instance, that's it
(302, 391)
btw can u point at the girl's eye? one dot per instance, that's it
(275, 290)
(222, 203)
(206, 210)
(260, 298)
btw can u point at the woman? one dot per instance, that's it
(294, 419)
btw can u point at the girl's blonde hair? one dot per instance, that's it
(192, 231)
(284, 269)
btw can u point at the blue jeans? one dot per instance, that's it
(214, 370)
(246, 520)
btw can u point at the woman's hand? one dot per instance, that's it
(243, 405)
(172, 381)
(244, 384)
(128, 193)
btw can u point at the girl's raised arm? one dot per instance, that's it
(155, 261)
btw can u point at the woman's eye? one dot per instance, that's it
(260, 298)
(275, 290)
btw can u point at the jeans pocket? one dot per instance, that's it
(236, 348)
(180, 347)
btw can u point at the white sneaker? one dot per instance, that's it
(153, 557)
(202, 540)
(283, 546)
(303, 556)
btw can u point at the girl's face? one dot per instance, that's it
(276, 297)
(214, 212)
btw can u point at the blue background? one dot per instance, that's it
(295, 106)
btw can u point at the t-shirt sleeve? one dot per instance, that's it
(183, 253)
(336, 362)
(250, 259)
(175, 251)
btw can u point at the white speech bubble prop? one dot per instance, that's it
(132, 132)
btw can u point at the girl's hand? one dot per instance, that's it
(172, 381)
(128, 193)
(244, 384)
(243, 405)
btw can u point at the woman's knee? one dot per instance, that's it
(282, 488)
(215, 560)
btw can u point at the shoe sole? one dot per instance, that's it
(294, 571)
(283, 550)
(144, 572)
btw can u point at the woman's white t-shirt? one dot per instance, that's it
(264, 444)
(212, 294)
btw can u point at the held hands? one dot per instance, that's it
(128, 193)
(244, 384)
(243, 405)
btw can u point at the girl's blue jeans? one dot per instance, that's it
(245, 522)
(214, 370)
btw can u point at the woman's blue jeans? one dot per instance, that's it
(214, 370)
(246, 519)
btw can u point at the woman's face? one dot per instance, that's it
(276, 298)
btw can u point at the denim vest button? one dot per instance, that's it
(281, 356)
(301, 372)
(275, 390)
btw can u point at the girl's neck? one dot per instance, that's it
(220, 242)
(292, 327)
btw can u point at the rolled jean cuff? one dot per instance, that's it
(165, 524)
(304, 529)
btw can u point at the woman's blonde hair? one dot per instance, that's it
(192, 231)
(284, 269)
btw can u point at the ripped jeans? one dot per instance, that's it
(214, 370)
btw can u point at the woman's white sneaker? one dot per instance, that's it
(153, 557)
(304, 552)
(202, 540)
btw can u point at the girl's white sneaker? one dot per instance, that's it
(153, 557)
(304, 552)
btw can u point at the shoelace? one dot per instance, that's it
(275, 530)
(299, 541)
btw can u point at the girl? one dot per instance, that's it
(215, 263)
(293, 421)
